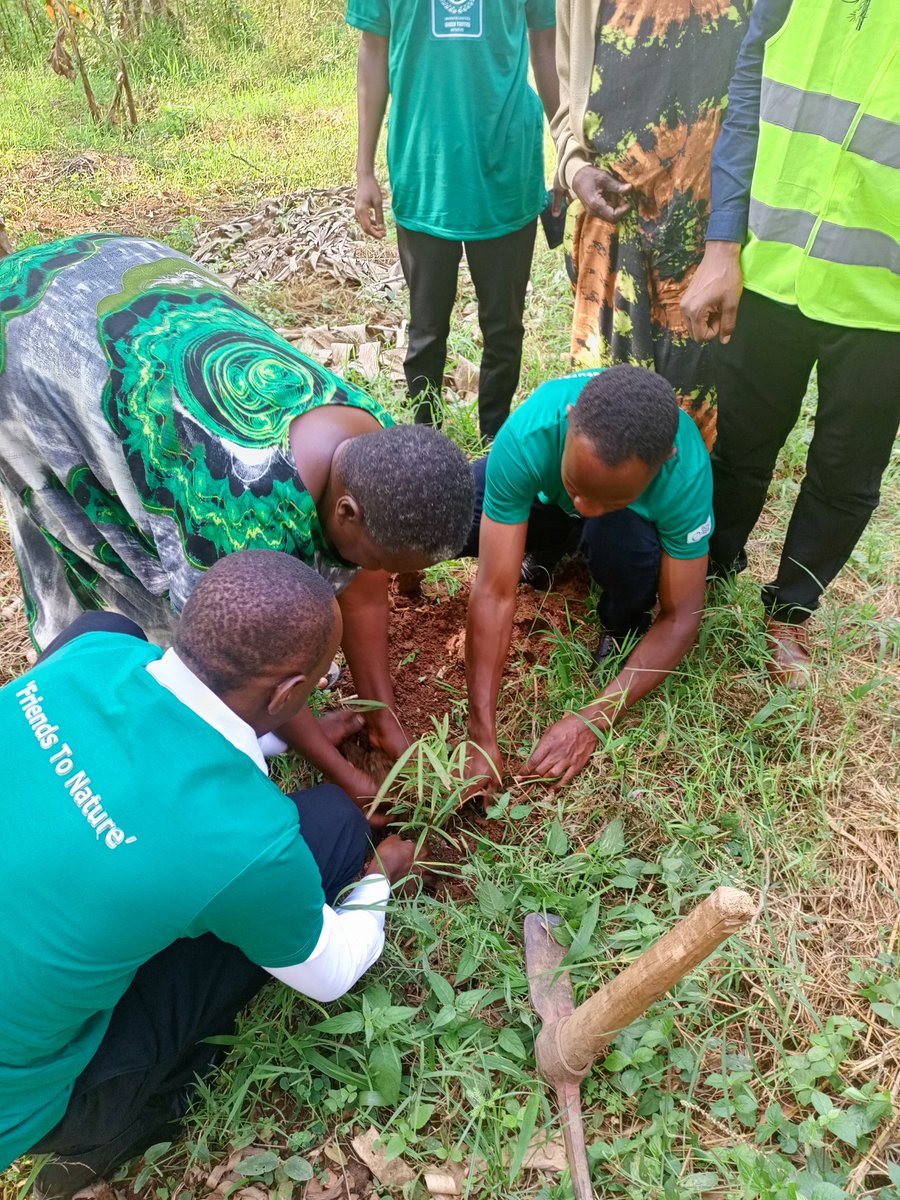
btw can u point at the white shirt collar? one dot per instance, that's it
(180, 680)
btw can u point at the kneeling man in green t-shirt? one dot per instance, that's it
(154, 877)
(605, 462)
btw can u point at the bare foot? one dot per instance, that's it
(340, 724)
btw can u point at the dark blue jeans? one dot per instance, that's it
(140, 1081)
(621, 550)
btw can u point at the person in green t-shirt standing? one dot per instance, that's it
(154, 877)
(605, 462)
(465, 159)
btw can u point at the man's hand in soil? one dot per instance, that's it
(483, 771)
(563, 751)
(386, 733)
(394, 858)
(602, 194)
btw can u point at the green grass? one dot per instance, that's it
(768, 1072)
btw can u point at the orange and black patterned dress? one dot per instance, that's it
(661, 75)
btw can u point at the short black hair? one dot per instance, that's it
(415, 488)
(252, 612)
(627, 412)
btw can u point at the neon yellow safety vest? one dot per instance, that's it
(825, 199)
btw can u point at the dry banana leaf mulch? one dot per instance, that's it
(301, 231)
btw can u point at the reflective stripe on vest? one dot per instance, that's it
(829, 117)
(824, 219)
(836, 243)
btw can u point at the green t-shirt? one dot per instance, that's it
(465, 131)
(128, 822)
(525, 464)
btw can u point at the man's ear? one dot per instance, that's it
(672, 453)
(348, 511)
(284, 694)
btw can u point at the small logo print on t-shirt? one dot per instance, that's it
(698, 534)
(457, 18)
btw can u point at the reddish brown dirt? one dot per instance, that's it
(427, 642)
(427, 651)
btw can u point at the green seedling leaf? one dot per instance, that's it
(821, 1103)
(526, 1132)
(888, 1012)
(700, 1181)
(582, 938)
(510, 1041)
(387, 1072)
(557, 839)
(845, 1127)
(258, 1164)
(612, 840)
(346, 1022)
(394, 1014)
(440, 988)
(297, 1168)
(332, 1069)
(492, 902)
(154, 1153)
(616, 1061)
(421, 1115)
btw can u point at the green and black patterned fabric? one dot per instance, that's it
(144, 420)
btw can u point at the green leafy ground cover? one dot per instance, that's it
(774, 1070)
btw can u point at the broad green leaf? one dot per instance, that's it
(846, 1127)
(699, 1181)
(440, 988)
(888, 1012)
(616, 1061)
(421, 1115)
(510, 1041)
(258, 1164)
(297, 1168)
(557, 839)
(386, 1071)
(492, 902)
(612, 840)
(345, 1022)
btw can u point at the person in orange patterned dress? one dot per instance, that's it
(642, 85)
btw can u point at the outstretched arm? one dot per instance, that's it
(492, 607)
(568, 744)
(365, 608)
(371, 101)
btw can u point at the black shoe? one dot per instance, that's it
(536, 574)
(606, 649)
(61, 1178)
(724, 571)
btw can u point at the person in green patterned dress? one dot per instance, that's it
(150, 424)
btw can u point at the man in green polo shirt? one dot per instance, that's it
(154, 877)
(607, 462)
(465, 159)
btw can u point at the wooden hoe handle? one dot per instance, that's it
(571, 1045)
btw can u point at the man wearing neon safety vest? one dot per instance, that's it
(805, 223)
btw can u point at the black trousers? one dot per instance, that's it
(621, 550)
(500, 268)
(140, 1081)
(762, 376)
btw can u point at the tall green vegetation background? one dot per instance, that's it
(774, 1071)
